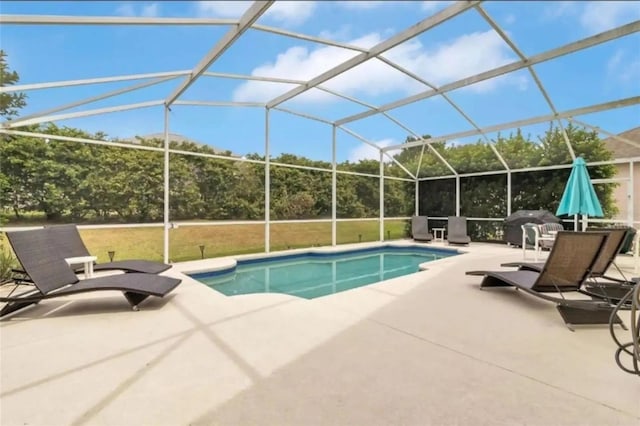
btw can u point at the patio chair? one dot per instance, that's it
(420, 228)
(52, 277)
(457, 230)
(529, 235)
(613, 288)
(69, 244)
(546, 229)
(568, 266)
(531, 239)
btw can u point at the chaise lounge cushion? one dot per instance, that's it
(457, 230)
(420, 228)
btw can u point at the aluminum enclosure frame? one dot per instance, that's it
(247, 22)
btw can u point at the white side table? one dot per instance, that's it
(437, 231)
(88, 263)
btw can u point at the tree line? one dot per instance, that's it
(486, 196)
(86, 182)
(74, 181)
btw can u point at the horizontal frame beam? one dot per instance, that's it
(303, 115)
(306, 37)
(533, 169)
(601, 130)
(109, 20)
(218, 103)
(621, 103)
(111, 144)
(97, 98)
(79, 114)
(374, 146)
(98, 80)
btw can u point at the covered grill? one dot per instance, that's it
(512, 229)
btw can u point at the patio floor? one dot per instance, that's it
(429, 348)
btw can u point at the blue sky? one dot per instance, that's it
(461, 47)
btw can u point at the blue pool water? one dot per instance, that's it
(310, 275)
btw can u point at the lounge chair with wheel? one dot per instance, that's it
(52, 277)
(599, 283)
(420, 228)
(567, 268)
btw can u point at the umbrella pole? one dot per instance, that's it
(575, 222)
(584, 222)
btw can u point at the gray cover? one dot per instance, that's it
(457, 230)
(513, 232)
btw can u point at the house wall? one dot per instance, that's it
(621, 193)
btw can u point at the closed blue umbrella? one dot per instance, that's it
(579, 196)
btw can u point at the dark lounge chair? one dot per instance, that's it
(613, 288)
(568, 266)
(52, 277)
(457, 230)
(420, 228)
(69, 243)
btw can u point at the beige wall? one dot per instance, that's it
(621, 193)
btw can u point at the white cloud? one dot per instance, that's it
(462, 57)
(222, 9)
(510, 19)
(559, 9)
(623, 68)
(434, 5)
(284, 12)
(291, 12)
(594, 16)
(602, 16)
(150, 10)
(368, 5)
(367, 152)
(631, 72)
(342, 33)
(361, 4)
(614, 62)
(131, 9)
(125, 9)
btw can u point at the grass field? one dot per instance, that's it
(224, 240)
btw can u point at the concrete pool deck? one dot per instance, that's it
(429, 348)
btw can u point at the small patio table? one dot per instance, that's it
(88, 263)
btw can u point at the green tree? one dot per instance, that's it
(518, 152)
(45, 175)
(398, 198)
(246, 200)
(485, 196)
(410, 156)
(10, 103)
(19, 163)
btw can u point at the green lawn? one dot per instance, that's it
(224, 240)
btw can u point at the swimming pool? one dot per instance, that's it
(310, 275)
